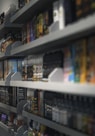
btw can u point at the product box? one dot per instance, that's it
(21, 94)
(79, 9)
(24, 72)
(68, 66)
(29, 72)
(24, 34)
(91, 60)
(19, 65)
(12, 91)
(12, 65)
(34, 105)
(40, 25)
(28, 32)
(1, 70)
(27, 1)
(7, 95)
(33, 29)
(46, 22)
(3, 94)
(80, 60)
(51, 61)
(40, 103)
(6, 71)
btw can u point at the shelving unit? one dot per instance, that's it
(8, 107)
(53, 40)
(5, 27)
(53, 125)
(56, 39)
(33, 7)
(71, 88)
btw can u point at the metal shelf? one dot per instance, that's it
(5, 27)
(70, 88)
(29, 10)
(8, 107)
(3, 126)
(57, 39)
(53, 125)
(4, 130)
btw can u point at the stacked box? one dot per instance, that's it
(91, 60)
(5, 69)
(29, 72)
(80, 60)
(32, 29)
(46, 22)
(12, 96)
(12, 65)
(21, 94)
(68, 65)
(24, 34)
(40, 25)
(28, 32)
(1, 70)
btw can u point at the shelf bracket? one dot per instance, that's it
(16, 76)
(56, 75)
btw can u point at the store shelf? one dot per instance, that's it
(53, 40)
(7, 107)
(71, 88)
(2, 83)
(29, 10)
(53, 125)
(4, 130)
(5, 27)
(4, 126)
(6, 54)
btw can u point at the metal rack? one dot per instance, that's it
(83, 27)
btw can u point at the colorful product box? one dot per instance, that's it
(5, 69)
(91, 60)
(80, 60)
(24, 34)
(68, 68)
(12, 65)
